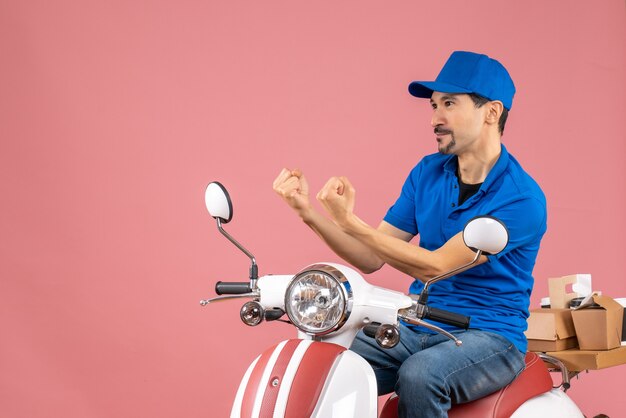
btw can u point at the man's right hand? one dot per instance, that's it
(294, 189)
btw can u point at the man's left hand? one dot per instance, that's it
(337, 197)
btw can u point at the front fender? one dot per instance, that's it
(304, 378)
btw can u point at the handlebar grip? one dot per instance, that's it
(274, 314)
(447, 317)
(371, 328)
(232, 288)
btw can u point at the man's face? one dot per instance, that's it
(457, 121)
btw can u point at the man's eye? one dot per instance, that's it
(449, 103)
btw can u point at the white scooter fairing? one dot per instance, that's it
(554, 403)
(317, 376)
(308, 379)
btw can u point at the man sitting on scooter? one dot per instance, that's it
(472, 174)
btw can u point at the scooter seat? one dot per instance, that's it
(533, 381)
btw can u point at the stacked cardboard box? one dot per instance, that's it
(579, 360)
(596, 327)
(598, 323)
(551, 330)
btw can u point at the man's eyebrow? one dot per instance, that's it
(446, 97)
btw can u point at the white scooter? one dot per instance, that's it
(317, 376)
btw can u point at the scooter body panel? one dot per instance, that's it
(554, 404)
(297, 378)
(350, 390)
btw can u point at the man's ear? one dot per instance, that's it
(494, 110)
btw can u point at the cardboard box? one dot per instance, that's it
(550, 330)
(579, 360)
(599, 328)
(556, 345)
(622, 301)
(557, 289)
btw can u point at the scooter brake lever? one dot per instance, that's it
(415, 321)
(205, 302)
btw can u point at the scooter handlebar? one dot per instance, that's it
(447, 317)
(232, 288)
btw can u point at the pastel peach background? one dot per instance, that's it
(114, 115)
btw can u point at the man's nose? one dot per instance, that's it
(436, 119)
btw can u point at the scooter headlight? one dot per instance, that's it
(318, 300)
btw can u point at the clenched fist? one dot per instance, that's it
(337, 197)
(294, 189)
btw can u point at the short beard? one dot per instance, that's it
(448, 148)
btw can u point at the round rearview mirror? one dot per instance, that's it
(218, 202)
(487, 234)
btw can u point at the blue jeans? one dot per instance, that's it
(430, 373)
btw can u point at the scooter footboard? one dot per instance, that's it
(303, 378)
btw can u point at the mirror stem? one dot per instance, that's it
(424, 295)
(254, 269)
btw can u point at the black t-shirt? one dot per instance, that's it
(467, 190)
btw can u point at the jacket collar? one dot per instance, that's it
(451, 165)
